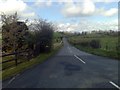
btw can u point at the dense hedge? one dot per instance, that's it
(17, 36)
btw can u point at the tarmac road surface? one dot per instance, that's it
(69, 68)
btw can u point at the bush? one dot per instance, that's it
(95, 44)
(43, 35)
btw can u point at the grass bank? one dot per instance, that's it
(100, 52)
(7, 73)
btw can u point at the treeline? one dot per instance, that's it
(100, 32)
(17, 36)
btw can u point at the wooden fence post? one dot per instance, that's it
(16, 58)
(28, 55)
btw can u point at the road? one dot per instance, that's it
(69, 68)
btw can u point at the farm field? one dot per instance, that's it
(108, 45)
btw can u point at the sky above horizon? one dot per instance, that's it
(68, 15)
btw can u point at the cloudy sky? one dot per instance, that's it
(68, 15)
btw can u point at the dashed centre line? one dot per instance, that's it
(80, 59)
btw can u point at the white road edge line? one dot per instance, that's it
(80, 59)
(114, 84)
(11, 80)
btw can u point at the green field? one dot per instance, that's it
(108, 45)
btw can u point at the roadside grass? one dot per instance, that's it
(0, 40)
(100, 52)
(111, 42)
(0, 36)
(108, 45)
(0, 55)
(108, 41)
(12, 63)
(7, 73)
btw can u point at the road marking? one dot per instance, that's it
(11, 80)
(80, 59)
(114, 84)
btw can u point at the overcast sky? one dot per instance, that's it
(68, 15)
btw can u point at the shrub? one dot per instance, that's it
(95, 44)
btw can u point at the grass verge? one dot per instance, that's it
(7, 73)
(100, 52)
